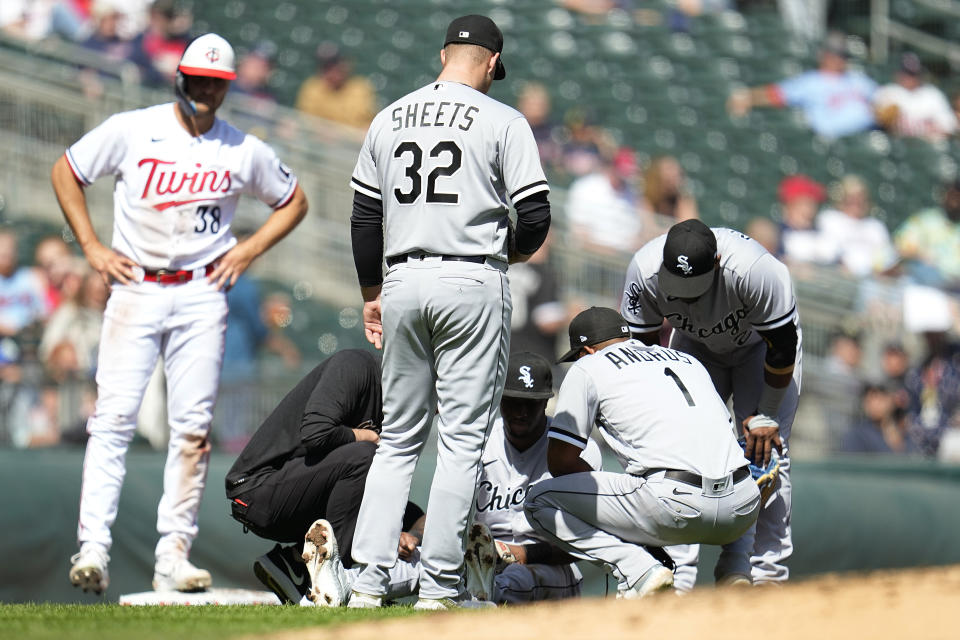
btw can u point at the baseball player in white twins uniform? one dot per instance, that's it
(515, 459)
(686, 479)
(436, 175)
(731, 305)
(179, 173)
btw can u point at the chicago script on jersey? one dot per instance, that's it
(730, 323)
(489, 497)
(171, 182)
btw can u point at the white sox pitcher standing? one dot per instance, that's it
(435, 176)
(731, 305)
(179, 174)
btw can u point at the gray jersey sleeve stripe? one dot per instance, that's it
(563, 434)
(780, 320)
(373, 192)
(528, 190)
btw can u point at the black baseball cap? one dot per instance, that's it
(528, 376)
(480, 30)
(689, 255)
(595, 325)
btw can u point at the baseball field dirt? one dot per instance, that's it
(910, 604)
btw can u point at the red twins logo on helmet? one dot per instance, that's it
(213, 54)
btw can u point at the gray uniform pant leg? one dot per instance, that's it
(604, 518)
(446, 339)
(770, 544)
(519, 583)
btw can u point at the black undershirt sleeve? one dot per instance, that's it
(781, 345)
(533, 222)
(366, 232)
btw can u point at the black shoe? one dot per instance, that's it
(283, 572)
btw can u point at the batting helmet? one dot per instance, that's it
(209, 55)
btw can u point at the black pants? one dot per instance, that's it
(305, 488)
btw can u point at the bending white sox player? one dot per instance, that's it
(515, 459)
(179, 173)
(686, 479)
(731, 305)
(433, 184)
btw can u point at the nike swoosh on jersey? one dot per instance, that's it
(297, 580)
(156, 139)
(488, 462)
(681, 493)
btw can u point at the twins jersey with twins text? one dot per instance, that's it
(176, 194)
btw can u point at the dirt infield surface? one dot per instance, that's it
(897, 605)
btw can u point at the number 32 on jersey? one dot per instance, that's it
(445, 158)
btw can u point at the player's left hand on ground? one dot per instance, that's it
(231, 265)
(762, 435)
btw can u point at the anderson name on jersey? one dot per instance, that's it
(655, 407)
(755, 292)
(176, 195)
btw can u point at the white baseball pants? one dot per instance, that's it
(446, 335)
(184, 323)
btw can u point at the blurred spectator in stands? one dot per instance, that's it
(844, 357)
(253, 72)
(68, 348)
(933, 387)
(534, 103)
(806, 19)
(538, 312)
(52, 259)
(21, 290)
(835, 100)
(929, 242)
(584, 143)
(105, 38)
(666, 196)
(333, 92)
(861, 243)
(36, 19)
(157, 50)
(894, 365)
(765, 231)
(801, 242)
(253, 324)
(880, 427)
(603, 208)
(911, 107)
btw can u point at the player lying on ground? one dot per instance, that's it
(686, 478)
(179, 173)
(506, 561)
(308, 461)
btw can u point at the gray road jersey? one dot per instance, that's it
(655, 408)
(755, 292)
(447, 161)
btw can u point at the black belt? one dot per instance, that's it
(420, 255)
(687, 477)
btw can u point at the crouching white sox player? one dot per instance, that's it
(686, 479)
(731, 305)
(506, 561)
(179, 173)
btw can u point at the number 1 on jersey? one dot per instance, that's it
(667, 371)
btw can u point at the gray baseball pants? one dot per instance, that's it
(446, 334)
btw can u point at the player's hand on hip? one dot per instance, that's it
(110, 264)
(762, 435)
(372, 323)
(231, 265)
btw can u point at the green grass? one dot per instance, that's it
(115, 622)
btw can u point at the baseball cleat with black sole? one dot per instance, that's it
(282, 571)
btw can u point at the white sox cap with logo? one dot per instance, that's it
(689, 258)
(528, 376)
